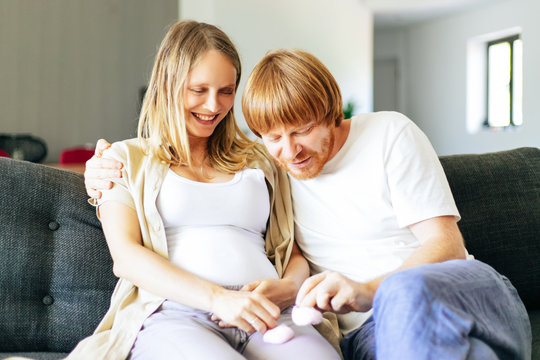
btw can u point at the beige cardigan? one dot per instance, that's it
(138, 188)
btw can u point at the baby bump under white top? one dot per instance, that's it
(216, 230)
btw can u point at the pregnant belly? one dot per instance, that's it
(226, 255)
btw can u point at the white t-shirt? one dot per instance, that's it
(216, 230)
(353, 217)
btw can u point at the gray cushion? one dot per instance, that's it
(534, 316)
(35, 356)
(498, 196)
(55, 269)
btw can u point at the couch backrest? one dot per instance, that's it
(56, 274)
(498, 196)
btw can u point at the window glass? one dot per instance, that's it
(517, 79)
(499, 73)
(504, 78)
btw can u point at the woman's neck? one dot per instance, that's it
(201, 169)
(198, 148)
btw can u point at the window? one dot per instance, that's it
(504, 82)
(495, 81)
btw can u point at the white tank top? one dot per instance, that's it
(216, 230)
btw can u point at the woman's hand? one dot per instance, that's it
(281, 292)
(248, 311)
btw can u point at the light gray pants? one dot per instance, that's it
(176, 331)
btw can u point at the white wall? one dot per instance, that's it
(70, 70)
(339, 33)
(391, 45)
(433, 62)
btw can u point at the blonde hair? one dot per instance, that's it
(162, 126)
(290, 87)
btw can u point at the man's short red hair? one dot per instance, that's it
(290, 87)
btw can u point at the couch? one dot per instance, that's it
(56, 272)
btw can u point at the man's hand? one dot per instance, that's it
(331, 291)
(99, 170)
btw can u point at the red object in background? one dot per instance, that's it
(3, 153)
(76, 155)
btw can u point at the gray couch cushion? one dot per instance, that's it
(498, 196)
(35, 356)
(55, 270)
(534, 316)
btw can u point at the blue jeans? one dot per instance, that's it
(459, 309)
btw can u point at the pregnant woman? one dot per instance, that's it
(199, 226)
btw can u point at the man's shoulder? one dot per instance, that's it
(382, 125)
(382, 119)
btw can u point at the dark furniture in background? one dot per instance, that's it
(56, 272)
(24, 147)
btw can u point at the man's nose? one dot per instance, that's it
(290, 149)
